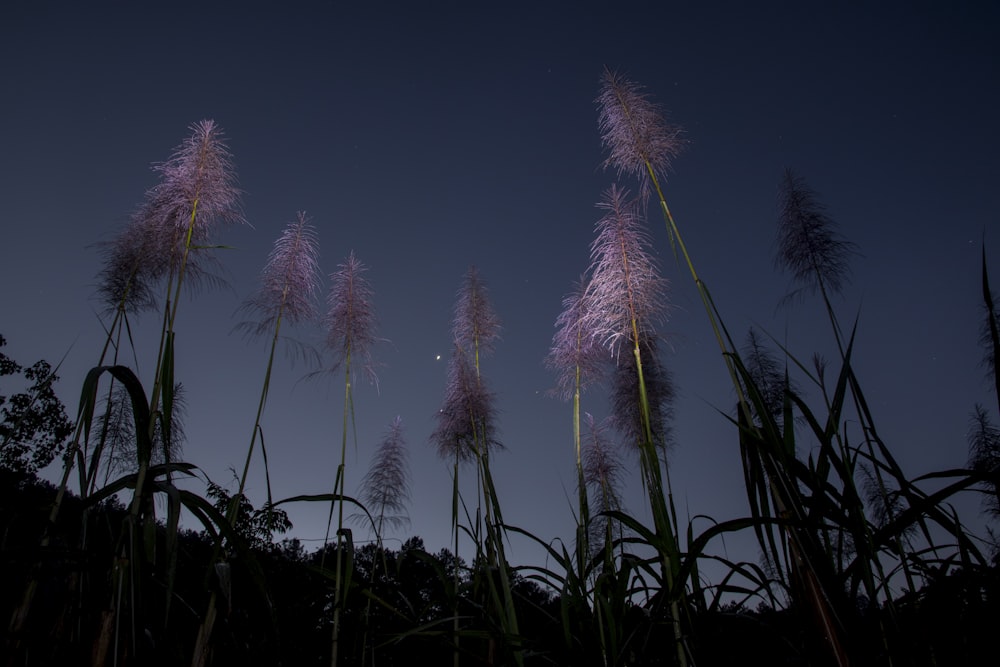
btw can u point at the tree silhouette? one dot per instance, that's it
(33, 423)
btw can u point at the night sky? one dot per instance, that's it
(430, 136)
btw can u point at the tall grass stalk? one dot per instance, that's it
(464, 413)
(642, 144)
(810, 248)
(385, 490)
(602, 470)
(627, 299)
(475, 329)
(287, 293)
(350, 325)
(465, 432)
(984, 436)
(577, 359)
(196, 193)
(989, 335)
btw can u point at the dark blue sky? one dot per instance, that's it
(427, 137)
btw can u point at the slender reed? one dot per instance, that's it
(465, 431)
(578, 360)
(810, 247)
(984, 436)
(628, 299)
(287, 294)
(350, 325)
(197, 194)
(603, 471)
(385, 490)
(984, 455)
(989, 332)
(641, 143)
(475, 330)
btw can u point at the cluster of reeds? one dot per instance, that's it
(845, 536)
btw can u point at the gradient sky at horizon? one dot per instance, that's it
(434, 136)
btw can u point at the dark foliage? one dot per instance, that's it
(33, 423)
(399, 606)
(255, 526)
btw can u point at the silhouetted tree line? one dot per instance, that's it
(277, 601)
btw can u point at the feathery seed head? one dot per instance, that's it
(634, 130)
(984, 454)
(289, 280)
(626, 287)
(808, 243)
(197, 190)
(602, 470)
(127, 280)
(575, 355)
(766, 375)
(602, 467)
(476, 326)
(626, 401)
(385, 488)
(983, 434)
(989, 323)
(350, 319)
(465, 422)
(199, 179)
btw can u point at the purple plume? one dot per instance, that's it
(808, 243)
(625, 288)
(385, 488)
(199, 178)
(602, 471)
(476, 326)
(127, 280)
(634, 130)
(350, 319)
(466, 419)
(626, 410)
(465, 422)
(197, 183)
(575, 355)
(289, 280)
